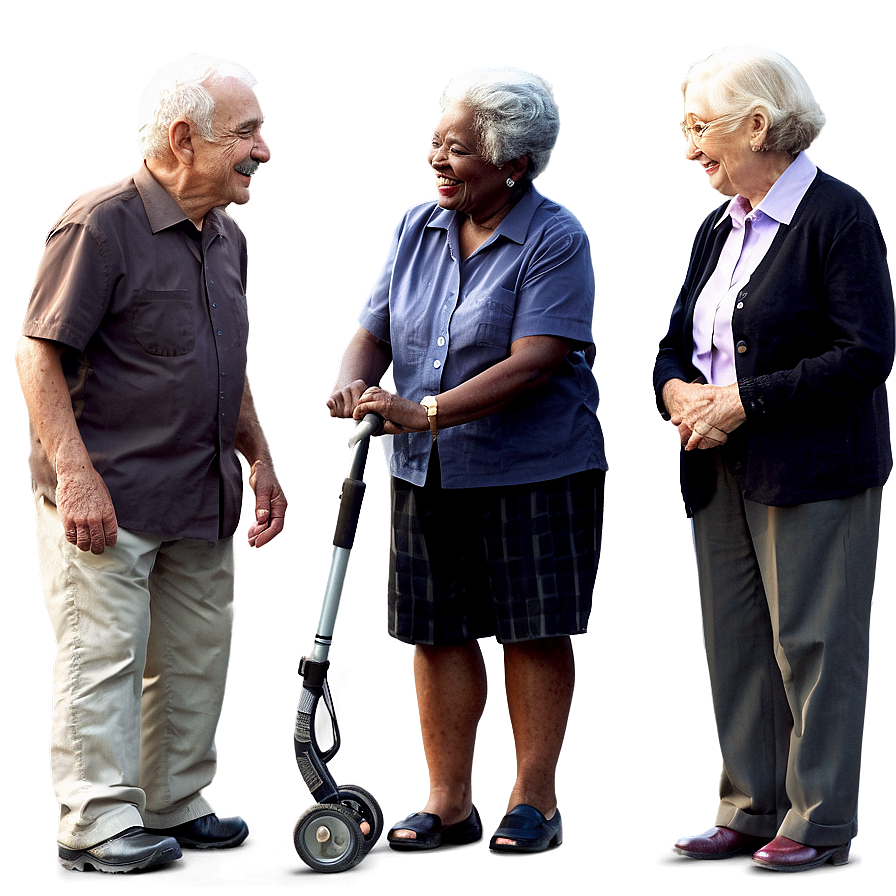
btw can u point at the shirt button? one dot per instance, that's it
(437, 364)
(220, 333)
(440, 341)
(214, 304)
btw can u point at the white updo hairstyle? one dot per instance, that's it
(742, 80)
(179, 91)
(514, 115)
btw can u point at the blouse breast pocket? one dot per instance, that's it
(163, 322)
(495, 313)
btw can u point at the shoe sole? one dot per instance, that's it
(83, 861)
(743, 850)
(806, 866)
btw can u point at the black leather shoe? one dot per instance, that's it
(135, 849)
(208, 832)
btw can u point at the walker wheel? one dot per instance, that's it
(367, 808)
(328, 838)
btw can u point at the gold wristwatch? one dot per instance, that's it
(432, 408)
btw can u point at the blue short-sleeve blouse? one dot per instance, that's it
(447, 320)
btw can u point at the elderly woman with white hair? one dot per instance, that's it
(773, 373)
(483, 310)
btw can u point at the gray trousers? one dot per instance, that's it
(786, 597)
(143, 642)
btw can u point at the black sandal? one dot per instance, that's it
(530, 830)
(431, 834)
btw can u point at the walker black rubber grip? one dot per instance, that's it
(349, 512)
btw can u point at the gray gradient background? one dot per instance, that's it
(350, 97)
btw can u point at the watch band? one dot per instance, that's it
(432, 408)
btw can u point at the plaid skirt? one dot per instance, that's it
(514, 562)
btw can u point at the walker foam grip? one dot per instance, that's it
(349, 512)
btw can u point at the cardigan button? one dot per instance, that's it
(741, 347)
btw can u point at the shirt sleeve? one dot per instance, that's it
(375, 316)
(556, 297)
(71, 289)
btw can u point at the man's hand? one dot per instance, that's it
(270, 504)
(86, 510)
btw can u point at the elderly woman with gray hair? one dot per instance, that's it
(483, 310)
(773, 373)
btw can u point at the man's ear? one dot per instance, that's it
(180, 141)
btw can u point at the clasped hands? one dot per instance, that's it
(357, 399)
(703, 414)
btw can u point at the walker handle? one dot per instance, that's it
(371, 425)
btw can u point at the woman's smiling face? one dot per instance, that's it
(466, 182)
(725, 155)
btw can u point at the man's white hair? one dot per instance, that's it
(180, 91)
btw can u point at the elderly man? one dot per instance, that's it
(132, 362)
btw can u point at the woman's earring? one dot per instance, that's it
(510, 182)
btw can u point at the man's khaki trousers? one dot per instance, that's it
(143, 641)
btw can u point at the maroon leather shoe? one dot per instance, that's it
(783, 854)
(717, 843)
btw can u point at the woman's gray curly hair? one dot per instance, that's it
(180, 91)
(514, 114)
(742, 80)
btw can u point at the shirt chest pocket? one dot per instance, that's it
(163, 322)
(494, 317)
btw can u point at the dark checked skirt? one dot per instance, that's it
(515, 562)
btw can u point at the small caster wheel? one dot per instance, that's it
(328, 838)
(364, 805)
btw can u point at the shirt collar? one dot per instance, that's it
(161, 208)
(515, 224)
(781, 201)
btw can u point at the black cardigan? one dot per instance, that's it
(814, 336)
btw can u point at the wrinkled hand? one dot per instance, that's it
(703, 414)
(85, 509)
(342, 403)
(400, 414)
(270, 504)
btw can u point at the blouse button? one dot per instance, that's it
(440, 341)
(437, 364)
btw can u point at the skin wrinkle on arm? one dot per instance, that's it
(365, 360)
(85, 507)
(270, 502)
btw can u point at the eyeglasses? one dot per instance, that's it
(697, 130)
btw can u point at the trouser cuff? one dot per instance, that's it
(795, 827)
(730, 816)
(84, 834)
(195, 808)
